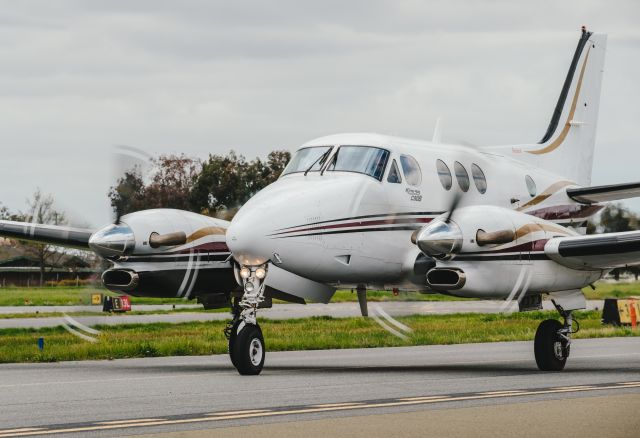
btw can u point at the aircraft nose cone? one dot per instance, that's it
(247, 238)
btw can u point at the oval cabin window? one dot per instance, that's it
(444, 174)
(462, 176)
(479, 178)
(531, 186)
(411, 169)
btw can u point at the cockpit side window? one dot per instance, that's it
(394, 174)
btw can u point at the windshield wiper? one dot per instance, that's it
(321, 159)
(334, 160)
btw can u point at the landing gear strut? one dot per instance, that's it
(246, 343)
(552, 343)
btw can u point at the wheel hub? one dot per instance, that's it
(255, 352)
(558, 350)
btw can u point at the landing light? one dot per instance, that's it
(245, 272)
(261, 273)
(248, 287)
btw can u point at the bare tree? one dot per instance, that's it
(41, 210)
(4, 213)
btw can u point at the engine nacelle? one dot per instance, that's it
(485, 230)
(502, 279)
(494, 252)
(166, 253)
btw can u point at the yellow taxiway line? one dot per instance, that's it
(329, 407)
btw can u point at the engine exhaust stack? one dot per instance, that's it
(120, 280)
(446, 279)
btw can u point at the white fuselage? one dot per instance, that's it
(347, 228)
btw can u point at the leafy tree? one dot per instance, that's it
(276, 162)
(218, 186)
(613, 219)
(227, 182)
(128, 194)
(170, 186)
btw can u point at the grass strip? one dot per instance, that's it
(101, 313)
(204, 338)
(69, 296)
(74, 296)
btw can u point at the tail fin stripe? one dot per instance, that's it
(558, 141)
(557, 112)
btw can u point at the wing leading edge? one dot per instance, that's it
(47, 234)
(600, 251)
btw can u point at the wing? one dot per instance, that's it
(613, 192)
(48, 234)
(599, 251)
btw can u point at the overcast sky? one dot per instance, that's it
(203, 77)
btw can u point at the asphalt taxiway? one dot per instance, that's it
(332, 391)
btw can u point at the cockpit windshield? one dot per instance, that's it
(307, 159)
(361, 159)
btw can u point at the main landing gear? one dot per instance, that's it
(246, 343)
(552, 343)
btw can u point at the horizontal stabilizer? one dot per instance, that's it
(47, 234)
(599, 251)
(613, 192)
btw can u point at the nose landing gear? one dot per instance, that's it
(246, 343)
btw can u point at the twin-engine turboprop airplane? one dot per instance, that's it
(368, 210)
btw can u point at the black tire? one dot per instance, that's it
(232, 339)
(248, 350)
(550, 351)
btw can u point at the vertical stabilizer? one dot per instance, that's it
(567, 146)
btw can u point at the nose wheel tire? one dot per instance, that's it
(247, 350)
(232, 339)
(550, 349)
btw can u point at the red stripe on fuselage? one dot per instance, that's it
(423, 220)
(204, 247)
(560, 212)
(536, 245)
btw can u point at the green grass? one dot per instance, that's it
(342, 296)
(73, 296)
(99, 312)
(66, 296)
(612, 290)
(195, 338)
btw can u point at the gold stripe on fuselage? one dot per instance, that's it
(207, 231)
(552, 189)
